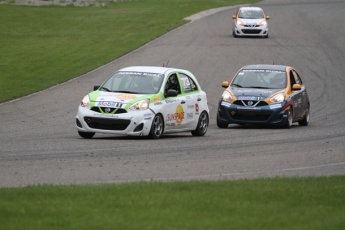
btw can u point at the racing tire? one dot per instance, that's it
(234, 34)
(288, 123)
(202, 126)
(221, 125)
(305, 120)
(156, 127)
(86, 135)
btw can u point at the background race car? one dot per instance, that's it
(250, 22)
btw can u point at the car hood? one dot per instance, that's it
(251, 21)
(123, 100)
(115, 97)
(262, 93)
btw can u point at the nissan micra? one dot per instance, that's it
(250, 22)
(145, 101)
(264, 95)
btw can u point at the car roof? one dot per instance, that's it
(266, 67)
(152, 69)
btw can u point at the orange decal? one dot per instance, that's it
(178, 116)
(126, 96)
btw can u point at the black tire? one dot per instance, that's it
(202, 126)
(156, 127)
(288, 123)
(305, 120)
(86, 135)
(221, 125)
(234, 34)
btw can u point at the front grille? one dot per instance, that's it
(245, 115)
(102, 110)
(239, 102)
(245, 31)
(106, 123)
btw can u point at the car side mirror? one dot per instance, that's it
(96, 87)
(225, 84)
(171, 93)
(268, 17)
(233, 16)
(296, 87)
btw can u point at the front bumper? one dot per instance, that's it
(243, 31)
(134, 123)
(274, 114)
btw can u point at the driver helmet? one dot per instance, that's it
(172, 83)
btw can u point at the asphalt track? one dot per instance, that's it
(40, 144)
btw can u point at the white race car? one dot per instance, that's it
(250, 21)
(145, 101)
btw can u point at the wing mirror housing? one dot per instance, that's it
(233, 16)
(296, 87)
(225, 84)
(171, 93)
(96, 87)
(268, 17)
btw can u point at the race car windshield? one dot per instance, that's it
(261, 79)
(251, 14)
(134, 82)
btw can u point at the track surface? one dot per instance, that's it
(40, 144)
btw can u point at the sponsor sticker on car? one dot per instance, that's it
(275, 106)
(224, 103)
(109, 104)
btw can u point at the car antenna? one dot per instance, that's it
(166, 64)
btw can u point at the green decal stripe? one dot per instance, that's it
(192, 93)
(159, 95)
(93, 96)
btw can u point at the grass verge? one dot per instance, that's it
(44, 46)
(276, 203)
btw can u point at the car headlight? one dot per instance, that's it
(239, 22)
(140, 105)
(278, 98)
(263, 23)
(85, 102)
(226, 96)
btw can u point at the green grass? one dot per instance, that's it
(44, 46)
(277, 203)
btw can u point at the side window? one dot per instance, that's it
(172, 83)
(188, 83)
(297, 77)
(292, 78)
